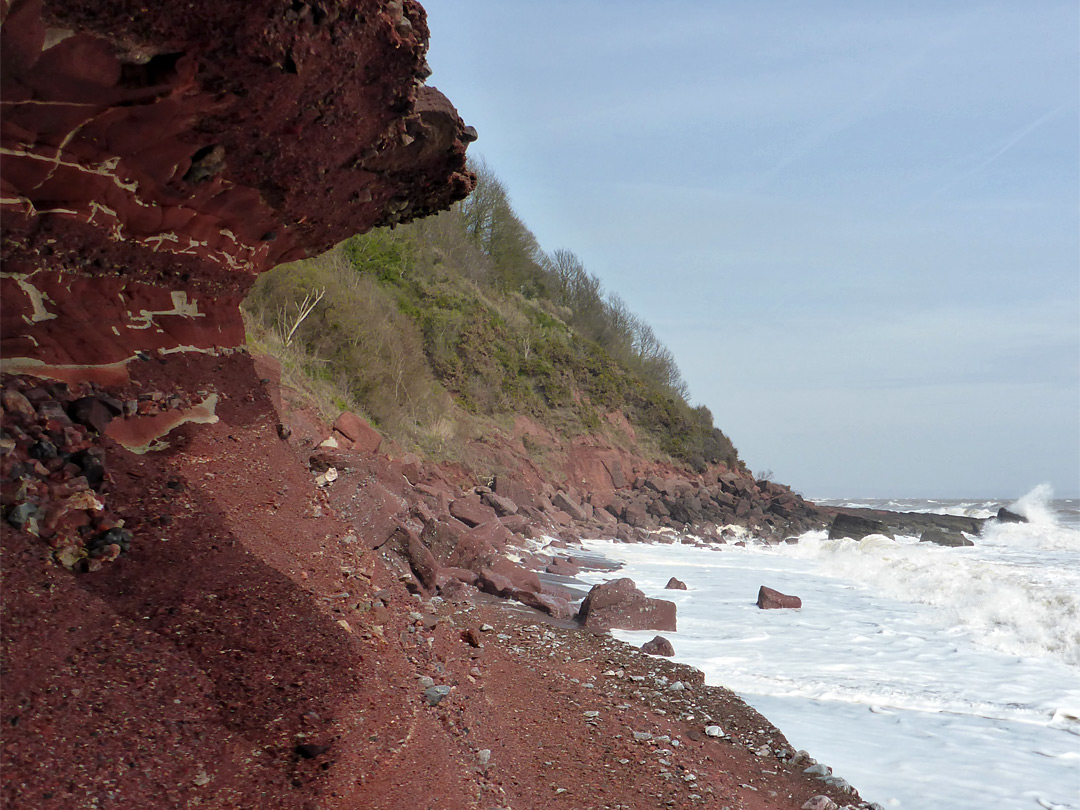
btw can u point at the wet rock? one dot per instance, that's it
(658, 645)
(619, 604)
(855, 527)
(1005, 516)
(943, 538)
(563, 567)
(769, 599)
(675, 585)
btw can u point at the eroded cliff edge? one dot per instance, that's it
(156, 160)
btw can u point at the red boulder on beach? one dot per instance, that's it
(619, 604)
(768, 599)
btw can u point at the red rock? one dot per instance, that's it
(563, 567)
(515, 490)
(473, 548)
(495, 583)
(16, 402)
(364, 437)
(514, 523)
(520, 578)
(554, 606)
(675, 585)
(619, 604)
(658, 646)
(768, 599)
(471, 510)
(568, 504)
(411, 468)
(405, 542)
(460, 574)
(502, 506)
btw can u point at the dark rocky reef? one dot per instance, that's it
(858, 523)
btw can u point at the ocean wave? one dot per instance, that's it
(1022, 604)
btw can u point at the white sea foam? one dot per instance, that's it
(1035, 506)
(927, 676)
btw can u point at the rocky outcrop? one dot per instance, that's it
(166, 556)
(858, 523)
(155, 163)
(674, 584)
(619, 604)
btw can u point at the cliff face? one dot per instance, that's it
(191, 616)
(155, 160)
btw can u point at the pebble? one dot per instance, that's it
(714, 731)
(426, 682)
(819, 770)
(483, 756)
(434, 694)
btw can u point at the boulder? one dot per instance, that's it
(514, 523)
(520, 578)
(604, 517)
(636, 515)
(471, 511)
(563, 567)
(768, 599)
(363, 436)
(942, 538)
(554, 606)
(675, 585)
(461, 547)
(658, 646)
(1005, 516)
(502, 506)
(514, 490)
(495, 583)
(424, 567)
(619, 604)
(444, 575)
(855, 527)
(569, 505)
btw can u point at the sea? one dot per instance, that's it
(928, 677)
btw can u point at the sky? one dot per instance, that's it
(856, 225)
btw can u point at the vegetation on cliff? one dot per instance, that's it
(437, 329)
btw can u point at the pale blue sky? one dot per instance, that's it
(855, 224)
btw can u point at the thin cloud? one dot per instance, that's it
(999, 149)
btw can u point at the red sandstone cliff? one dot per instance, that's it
(188, 619)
